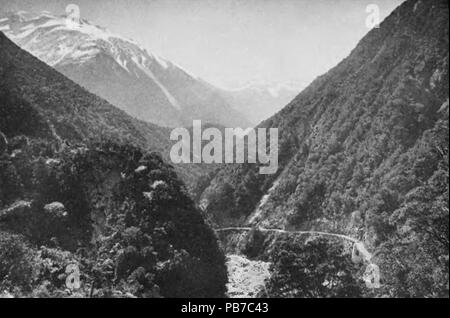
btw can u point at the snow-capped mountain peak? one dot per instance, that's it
(73, 42)
(119, 70)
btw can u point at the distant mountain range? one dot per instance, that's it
(261, 101)
(121, 71)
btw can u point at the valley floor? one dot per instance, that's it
(246, 277)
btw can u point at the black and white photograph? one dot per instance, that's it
(223, 153)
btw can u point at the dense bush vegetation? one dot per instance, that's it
(71, 192)
(121, 215)
(314, 269)
(364, 151)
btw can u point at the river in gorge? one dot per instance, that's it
(246, 277)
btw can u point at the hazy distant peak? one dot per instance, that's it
(273, 88)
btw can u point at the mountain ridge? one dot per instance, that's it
(121, 71)
(354, 147)
(82, 187)
(39, 101)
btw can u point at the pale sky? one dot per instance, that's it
(231, 43)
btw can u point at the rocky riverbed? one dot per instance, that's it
(246, 277)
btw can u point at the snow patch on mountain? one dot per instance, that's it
(25, 33)
(150, 88)
(166, 92)
(70, 37)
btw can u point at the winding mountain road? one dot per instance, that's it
(247, 229)
(359, 253)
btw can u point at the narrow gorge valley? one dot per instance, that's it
(357, 208)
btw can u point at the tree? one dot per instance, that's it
(312, 269)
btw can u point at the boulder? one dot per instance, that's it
(56, 209)
(140, 169)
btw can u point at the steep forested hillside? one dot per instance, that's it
(121, 216)
(37, 101)
(75, 189)
(364, 151)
